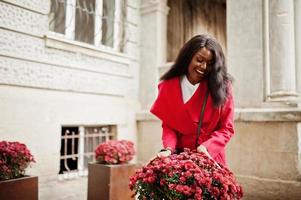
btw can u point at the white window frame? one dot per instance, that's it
(70, 27)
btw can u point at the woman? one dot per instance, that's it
(194, 94)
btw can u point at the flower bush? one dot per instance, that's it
(115, 152)
(185, 176)
(14, 159)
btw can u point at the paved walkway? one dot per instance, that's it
(73, 189)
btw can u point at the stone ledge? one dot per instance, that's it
(247, 114)
(52, 40)
(23, 73)
(19, 46)
(268, 115)
(145, 115)
(269, 189)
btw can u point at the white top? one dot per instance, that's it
(187, 88)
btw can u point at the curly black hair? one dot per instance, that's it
(218, 77)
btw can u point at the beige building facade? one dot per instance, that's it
(263, 55)
(66, 72)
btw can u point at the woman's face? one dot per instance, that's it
(199, 65)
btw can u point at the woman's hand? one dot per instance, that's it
(164, 153)
(203, 149)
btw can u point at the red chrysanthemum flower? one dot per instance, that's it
(188, 175)
(14, 159)
(115, 152)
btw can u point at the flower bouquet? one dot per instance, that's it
(14, 159)
(115, 152)
(185, 176)
(108, 177)
(14, 185)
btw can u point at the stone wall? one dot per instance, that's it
(264, 153)
(261, 55)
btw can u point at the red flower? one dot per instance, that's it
(14, 159)
(188, 175)
(115, 152)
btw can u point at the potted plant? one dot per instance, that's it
(188, 175)
(14, 184)
(108, 177)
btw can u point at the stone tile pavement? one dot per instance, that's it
(72, 189)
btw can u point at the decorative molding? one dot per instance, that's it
(269, 181)
(23, 47)
(87, 49)
(36, 75)
(283, 96)
(268, 115)
(250, 114)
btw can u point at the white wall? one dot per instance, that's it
(35, 117)
(46, 82)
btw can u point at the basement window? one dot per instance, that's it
(77, 147)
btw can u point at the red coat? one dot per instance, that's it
(180, 120)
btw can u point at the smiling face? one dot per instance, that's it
(199, 65)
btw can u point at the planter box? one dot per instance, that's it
(25, 188)
(109, 182)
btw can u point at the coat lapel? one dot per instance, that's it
(169, 107)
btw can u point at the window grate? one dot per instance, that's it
(77, 147)
(94, 136)
(69, 149)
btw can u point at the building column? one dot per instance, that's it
(282, 51)
(298, 46)
(153, 47)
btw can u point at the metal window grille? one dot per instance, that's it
(96, 22)
(77, 147)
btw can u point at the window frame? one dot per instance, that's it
(70, 29)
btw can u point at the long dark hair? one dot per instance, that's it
(218, 77)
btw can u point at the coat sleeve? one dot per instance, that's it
(219, 138)
(169, 137)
